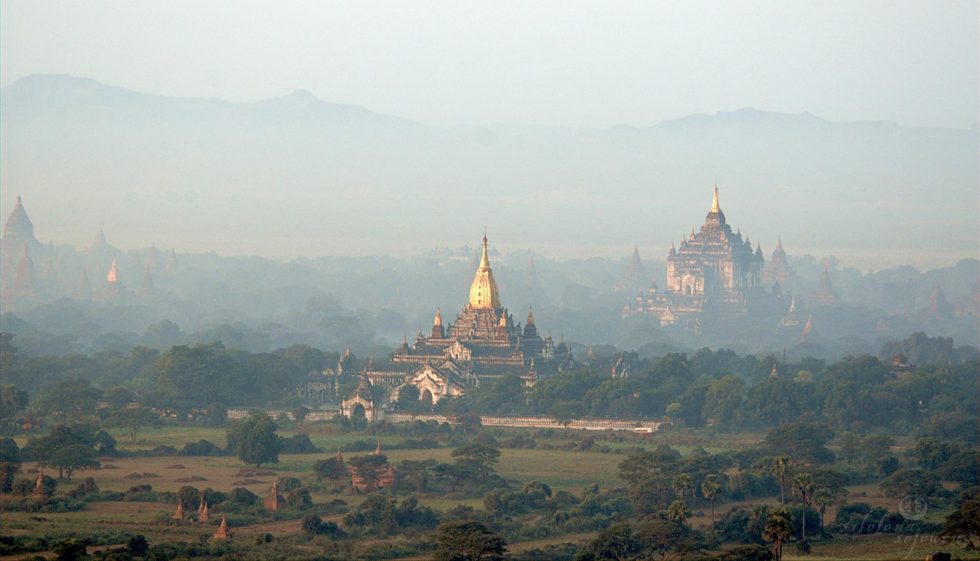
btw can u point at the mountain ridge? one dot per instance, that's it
(67, 83)
(344, 179)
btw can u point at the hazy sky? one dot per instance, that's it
(591, 64)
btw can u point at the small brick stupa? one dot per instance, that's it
(179, 513)
(222, 533)
(274, 500)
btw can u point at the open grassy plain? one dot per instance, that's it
(562, 469)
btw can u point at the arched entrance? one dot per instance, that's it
(426, 397)
(358, 411)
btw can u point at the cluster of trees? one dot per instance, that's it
(182, 379)
(731, 392)
(718, 388)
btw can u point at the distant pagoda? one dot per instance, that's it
(778, 269)
(634, 277)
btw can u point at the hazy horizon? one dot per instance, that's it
(617, 121)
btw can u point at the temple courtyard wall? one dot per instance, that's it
(632, 425)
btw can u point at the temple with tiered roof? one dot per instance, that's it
(483, 343)
(712, 273)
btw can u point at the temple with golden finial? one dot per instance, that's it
(483, 343)
(714, 272)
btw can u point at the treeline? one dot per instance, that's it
(182, 378)
(732, 392)
(715, 388)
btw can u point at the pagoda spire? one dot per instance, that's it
(714, 201)
(484, 258)
(483, 291)
(18, 224)
(112, 276)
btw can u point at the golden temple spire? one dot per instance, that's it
(484, 258)
(438, 319)
(113, 274)
(714, 201)
(483, 291)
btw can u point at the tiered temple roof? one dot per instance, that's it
(634, 277)
(484, 339)
(712, 270)
(19, 226)
(824, 295)
(778, 269)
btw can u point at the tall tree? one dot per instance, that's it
(779, 467)
(803, 483)
(68, 448)
(778, 529)
(683, 483)
(255, 440)
(723, 400)
(710, 488)
(132, 419)
(9, 463)
(70, 398)
(478, 457)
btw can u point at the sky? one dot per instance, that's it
(565, 63)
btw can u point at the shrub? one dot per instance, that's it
(201, 448)
(910, 482)
(243, 496)
(299, 443)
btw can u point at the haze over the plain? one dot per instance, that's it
(202, 175)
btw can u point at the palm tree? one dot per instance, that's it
(682, 482)
(803, 482)
(778, 529)
(709, 489)
(677, 512)
(823, 498)
(779, 468)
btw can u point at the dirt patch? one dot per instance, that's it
(190, 479)
(144, 475)
(245, 482)
(249, 472)
(176, 466)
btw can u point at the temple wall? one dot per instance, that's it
(643, 426)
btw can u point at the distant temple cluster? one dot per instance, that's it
(45, 271)
(483, 343)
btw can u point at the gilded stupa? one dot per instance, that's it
(483, 343)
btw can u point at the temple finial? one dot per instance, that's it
(113, 274)
(714, 201)
(484, 258)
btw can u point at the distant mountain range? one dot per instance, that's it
(297, 175)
